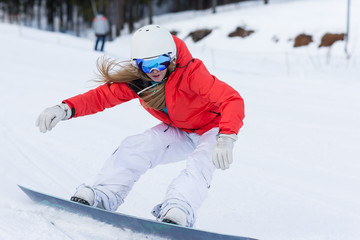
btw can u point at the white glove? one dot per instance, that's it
(222, 153)
(51, 116)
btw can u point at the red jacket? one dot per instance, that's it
(196, 100)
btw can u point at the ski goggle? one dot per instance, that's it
(160, 63)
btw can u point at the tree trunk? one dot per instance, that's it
(131, 16)
(150, 7)
(101, 6)
(93, 7)
(213, 3)
(200, 5)
(177, 6)
(118, 16)
(121, 17)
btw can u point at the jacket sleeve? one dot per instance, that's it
(229, 101)
(107, 26)
(100, 98)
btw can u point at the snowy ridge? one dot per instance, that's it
(296, 169)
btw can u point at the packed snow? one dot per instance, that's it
(296, 170)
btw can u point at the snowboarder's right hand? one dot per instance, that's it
(51, 116)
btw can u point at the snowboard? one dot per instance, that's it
(122, 221)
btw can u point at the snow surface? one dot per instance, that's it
(297, 160)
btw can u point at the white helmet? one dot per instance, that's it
(151, 41)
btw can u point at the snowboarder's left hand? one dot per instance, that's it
(222, 153)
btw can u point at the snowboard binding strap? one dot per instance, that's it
(80, 200)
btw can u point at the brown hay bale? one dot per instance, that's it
(329, 38)
(241, 32)
(302, 40)
(199, 34)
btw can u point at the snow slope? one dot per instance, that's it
(296, 169)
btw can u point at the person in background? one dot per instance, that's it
(200, 117)
(101, 27)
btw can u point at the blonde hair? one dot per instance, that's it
(113, 71)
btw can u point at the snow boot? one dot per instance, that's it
(175, 216)
(84, 195)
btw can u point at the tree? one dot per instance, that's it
(74, 16)
(213, 5)
(150, 8)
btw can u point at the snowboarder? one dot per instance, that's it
(101, 28)
(200, 117)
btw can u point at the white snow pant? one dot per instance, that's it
(159, 145)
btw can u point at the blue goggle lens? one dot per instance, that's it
(160, 63)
